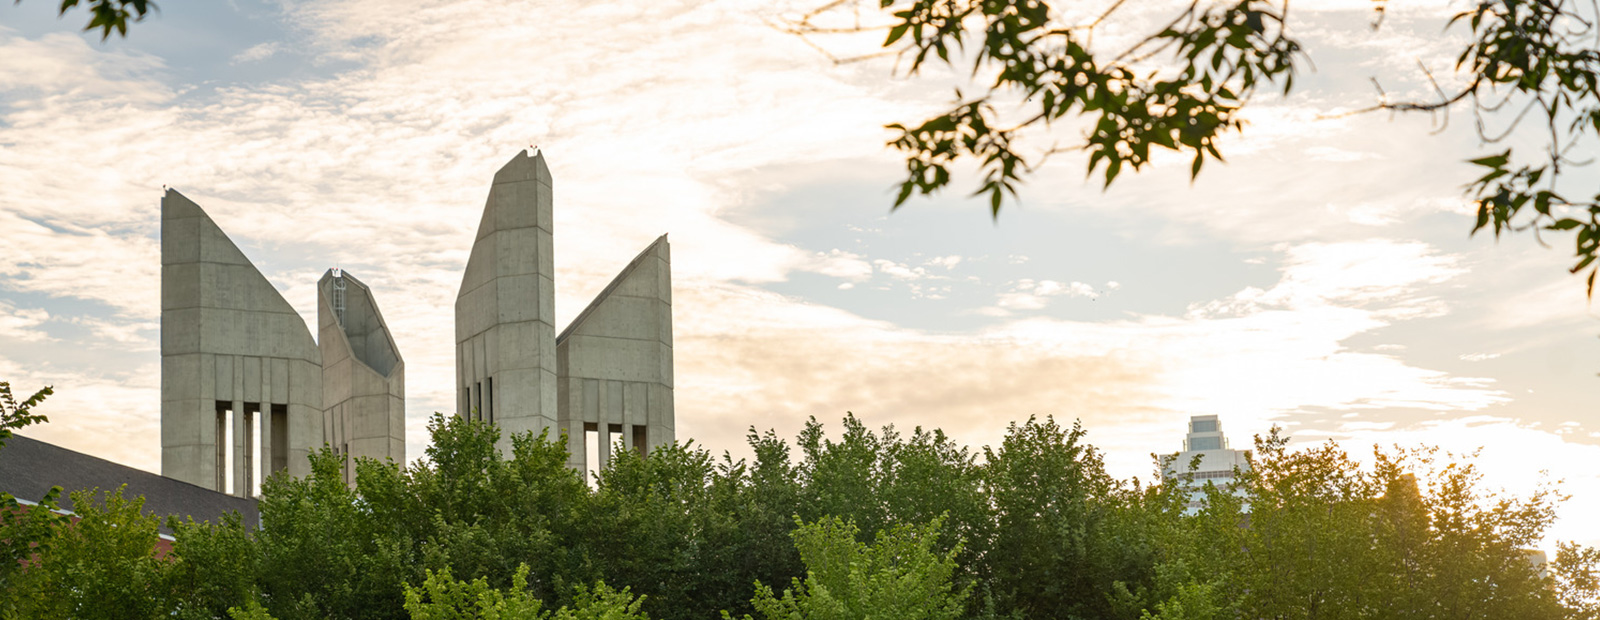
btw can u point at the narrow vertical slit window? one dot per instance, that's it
(280, 437)
(226, 439)
(614, 439)
(591, 452)
(252, 449)
(641, 440)
(221, 440)
(478, 404)
(488, 410)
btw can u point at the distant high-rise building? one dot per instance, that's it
(1206, 449)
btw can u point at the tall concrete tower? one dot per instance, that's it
(236, 361)
(505, 311)
(363, 375)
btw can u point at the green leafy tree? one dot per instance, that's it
(1064, 534)
(652, 525)
(1316, 535)
(883, 480)
(211, 567)
(1577, 576)
(25, 531)
(101, 564)
(442, 597)
(900, 575)
(321, 552)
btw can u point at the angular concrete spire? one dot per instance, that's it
(615, 362)
(233, 353)
(363, 375)
(505, 330)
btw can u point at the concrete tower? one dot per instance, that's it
(363, 376)
(505, 323)
(236, 360)
(615, 362)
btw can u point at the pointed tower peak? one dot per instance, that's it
(524, 167)
(175, 206)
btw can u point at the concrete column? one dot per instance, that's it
(577, 452)
(241, 465)
(264, 426)
(219, 443)
(604, 432)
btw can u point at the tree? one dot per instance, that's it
(442, 597)
(102, 564)
(899, 576)
(1315, 534)
(1067, 535)
(212, 567)
(24, 531)
(1184, 85)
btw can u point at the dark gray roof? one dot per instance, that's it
(29, 467)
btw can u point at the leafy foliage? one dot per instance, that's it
(871, 524)
(1539, 54)
(25, 532)
(1183, 86)
(1220, 55)
(101, 564)
(899, 576)
(16, 416)
(442, 597)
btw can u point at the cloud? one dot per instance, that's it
(900, 271)
(22, 323)
(1355, 273)
(261, 51)
(1028, 294)
(841, 264)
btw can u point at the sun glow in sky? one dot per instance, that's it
(1322, 280)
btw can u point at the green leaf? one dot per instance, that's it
(1493, 161)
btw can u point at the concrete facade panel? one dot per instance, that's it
(614, 358)
(251, 377)
(224, 378)
(180, 241)
(180, 286)
(180, 341)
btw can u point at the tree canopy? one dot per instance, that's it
(862, 524)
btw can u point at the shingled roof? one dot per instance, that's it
(29, 467)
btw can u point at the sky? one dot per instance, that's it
(1322, 280)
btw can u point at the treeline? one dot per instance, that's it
(871, 525)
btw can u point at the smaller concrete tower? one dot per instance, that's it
(363, 375)
(615, 363)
